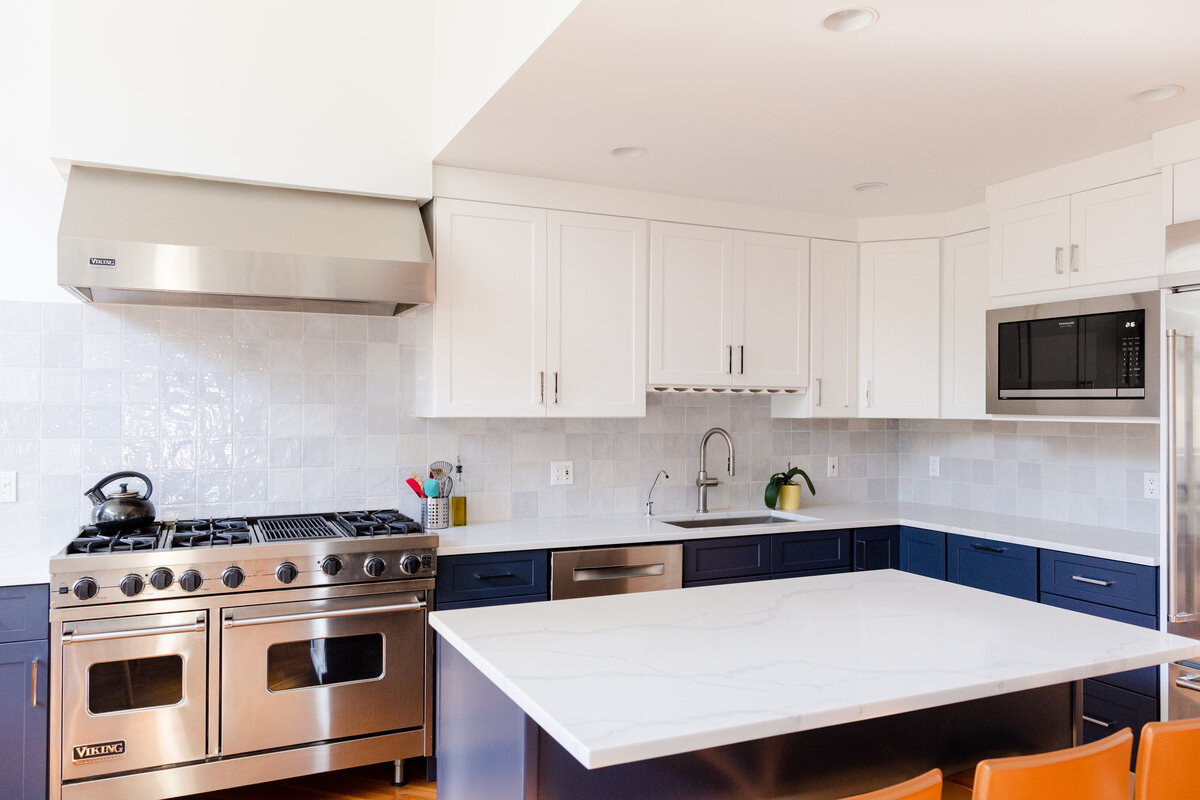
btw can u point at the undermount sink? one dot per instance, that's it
(729, 522)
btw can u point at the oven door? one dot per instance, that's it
(133, 692)
(294, 673)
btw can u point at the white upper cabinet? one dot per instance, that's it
(964, 311)
(727, 308)
(899, 345)
(1106, 234)
(537, 314)
(1185, 191)
(596, 340)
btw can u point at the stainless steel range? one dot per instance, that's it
(197, 655)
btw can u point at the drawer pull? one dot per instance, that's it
(494, 576)
(1097, 721)
(617, 571)
(33, 684)
(987, 548)
(1092, 581)
(1191, 682)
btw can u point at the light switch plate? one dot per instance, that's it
(831, 467)
(1150, 485)
(935, 466)
(562, 473)
(8, 487)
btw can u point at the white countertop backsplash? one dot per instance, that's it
(1131, 546)
(628, 677)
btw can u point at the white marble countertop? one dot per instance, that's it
(629, 677)
(1124, 545)
(26, 564)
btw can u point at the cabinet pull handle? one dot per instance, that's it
(987, 548)
(818, 392)
(1093, 581)
(860, 561)
(730, 359)
(1103, 723)
(1058, 268)
(1074, 258)
(868, 394)
(741, 359)
(493, 576)
(33, 684)
(555, 387)
(542, 386)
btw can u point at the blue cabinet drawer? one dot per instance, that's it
(795, 552)
(24, 613)
(728, 557)
(923, 552)
(1143, 680)
(1000, 567)
(1107, 709)
(489, 575)
(1132, 587)
(877, 548)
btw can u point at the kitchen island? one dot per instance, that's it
(812, 687)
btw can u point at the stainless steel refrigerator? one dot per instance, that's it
(1181, 432)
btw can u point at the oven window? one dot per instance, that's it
(136, 683)
(321, 662)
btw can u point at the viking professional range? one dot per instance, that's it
(197, 655)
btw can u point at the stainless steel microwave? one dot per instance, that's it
(1092, 357)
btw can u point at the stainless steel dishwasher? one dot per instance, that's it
(615, 570)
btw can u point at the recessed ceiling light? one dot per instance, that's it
(869, 186)
(1156, 94)
(628, 152)
(848, 20)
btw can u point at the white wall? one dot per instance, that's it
(478, 46)
(307, 93)
(30, 187)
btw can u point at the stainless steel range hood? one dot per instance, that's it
(130, 237)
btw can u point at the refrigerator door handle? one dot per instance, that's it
(1176, 576)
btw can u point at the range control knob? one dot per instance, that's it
(161, 578)
(190, 581)
(132, 585)
(410, 565)
(287, 572)
(232, 577)
(85, 588)
(375, 566)
(331, 566)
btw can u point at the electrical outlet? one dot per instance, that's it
(1150, 485)
(562, 473)
(935, 466)
(831, 467)
(8, 487)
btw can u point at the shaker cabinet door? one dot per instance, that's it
(771, 301)
(25, 716)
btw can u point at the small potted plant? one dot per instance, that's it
(781, 488)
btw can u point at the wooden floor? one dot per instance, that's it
(364, 783)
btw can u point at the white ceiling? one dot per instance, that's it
(755, 102)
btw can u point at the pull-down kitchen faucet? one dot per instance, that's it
(702, 479)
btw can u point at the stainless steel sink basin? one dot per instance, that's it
(729, 522)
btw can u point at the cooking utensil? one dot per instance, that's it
(441, 471)
(431, 487)
(416, 486)
(123, 510)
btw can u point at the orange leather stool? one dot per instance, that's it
(1168, 762)
(1096, 771)
(922, 787)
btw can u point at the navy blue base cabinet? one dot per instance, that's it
(488, 579)
(1000, 567)
(731, 559)
(24, 694)
(923, 552)
(877, 548)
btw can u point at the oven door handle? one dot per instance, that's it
(76, 638)
(230, 622)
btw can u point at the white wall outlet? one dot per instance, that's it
(1150, 485)
(935, 466)
(831, 467)
(562, 473)
(8, 487)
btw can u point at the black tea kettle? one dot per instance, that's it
(121, 510)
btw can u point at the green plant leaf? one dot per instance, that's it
(772, 493)
(807, 480)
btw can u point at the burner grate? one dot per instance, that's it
(287, 529)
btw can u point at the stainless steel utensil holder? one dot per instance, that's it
(435, 512)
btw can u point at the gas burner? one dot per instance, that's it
(386, 522)
(93, 540)
(212, 525)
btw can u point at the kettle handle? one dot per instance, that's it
(96, 493)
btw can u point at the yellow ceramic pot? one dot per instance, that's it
(789, 497)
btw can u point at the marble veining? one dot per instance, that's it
(628, 677)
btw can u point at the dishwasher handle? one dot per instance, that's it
(616, 571)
